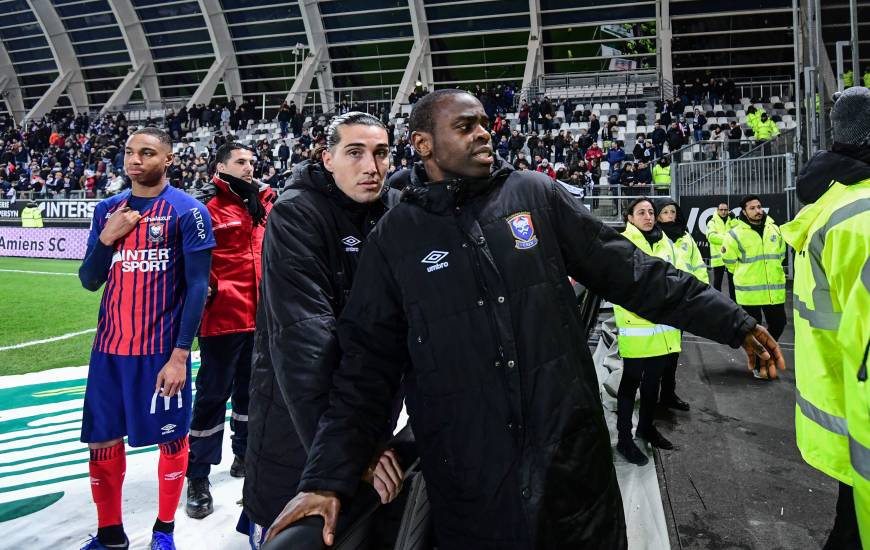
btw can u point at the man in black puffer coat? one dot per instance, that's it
(311, 249)
(463, 289)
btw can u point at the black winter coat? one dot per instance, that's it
(466, 282)
(313, 239)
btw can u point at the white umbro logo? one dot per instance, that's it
(350, 243)
(434, 258)
(168, 429)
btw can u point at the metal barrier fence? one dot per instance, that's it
(609, 202)
(734, 149)
(737, 177)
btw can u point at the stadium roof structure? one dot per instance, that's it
(89, 55)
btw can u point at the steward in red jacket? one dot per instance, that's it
(238, 206)
(235, 266)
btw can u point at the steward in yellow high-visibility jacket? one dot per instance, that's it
(687, 257)
(854, 340)
(661, 175)
(31, 215)
(831, 237)
(754, 251)
(766, 129)
(717, 226)
(645, 346)
(753, 117)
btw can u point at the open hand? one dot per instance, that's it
(316, 503)
(758, 343)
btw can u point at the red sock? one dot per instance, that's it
(107, 467)
(170, 471)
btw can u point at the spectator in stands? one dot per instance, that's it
(559, 143)
(675, 137)
(522, 165)
(205, 117)
(608, 134)
(502, 148)
(574, 155)
(698, 123)
(628, 178)
(284, 118)
(594, 152)
(533, 142)
(500, 126)
(305, 139)
(515, 144)
(594, 167)
(649, 152)
(665, 113)
(547, 114)
(521, 157)
(545, 168)
(545, 147)
(615, 175)
(639, 146)
(717, 142)
(523, 117)
(643, 174)
(584, 140)
(616, 153)
(535, 114)
(735, 133)
(594, 127)
(283, 154)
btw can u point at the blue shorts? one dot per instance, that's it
(256, 533)
(120, 400)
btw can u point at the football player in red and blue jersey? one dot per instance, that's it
(151, 246)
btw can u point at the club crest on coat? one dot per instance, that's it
(523, 230)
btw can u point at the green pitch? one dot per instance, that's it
(38, 307)
(42, 306)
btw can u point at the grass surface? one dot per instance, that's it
(36, 307)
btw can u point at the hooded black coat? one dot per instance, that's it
(311, 249)
(464, 289)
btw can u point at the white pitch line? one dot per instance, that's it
(47, 340)
(36, 272)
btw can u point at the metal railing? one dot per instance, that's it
(734, 177)
(732, 149)
(609, 202)
(558, 85)
(767, 87)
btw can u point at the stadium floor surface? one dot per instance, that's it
(736, 479)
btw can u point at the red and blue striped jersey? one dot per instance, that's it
(140, 312)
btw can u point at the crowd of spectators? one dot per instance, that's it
(63, 153)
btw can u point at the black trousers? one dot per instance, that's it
(669, 378)
(644, 373)
(844, 535)
(719, 275)
(225, 373)
(774, 317)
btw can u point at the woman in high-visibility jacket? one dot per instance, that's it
(643, 345)
(687, 257)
